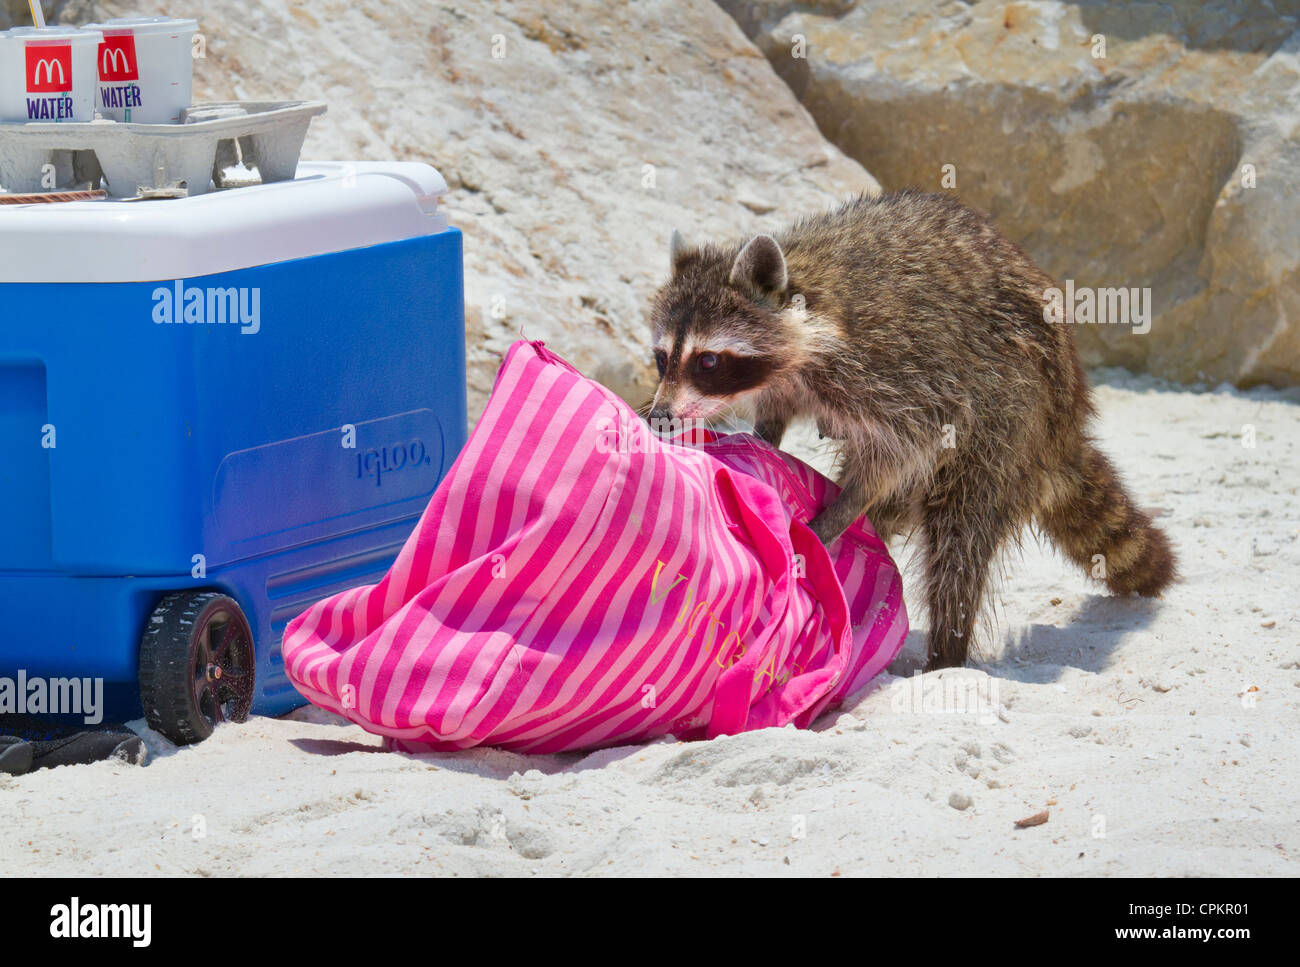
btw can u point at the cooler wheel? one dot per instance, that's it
(196, 665)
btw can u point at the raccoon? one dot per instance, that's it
(914, 333)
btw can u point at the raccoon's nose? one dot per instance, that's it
(660, 413)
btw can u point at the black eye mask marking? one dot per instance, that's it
(731, 374)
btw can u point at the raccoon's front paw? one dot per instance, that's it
(770, 431)
(826, 528)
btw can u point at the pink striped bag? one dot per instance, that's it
(577, 582)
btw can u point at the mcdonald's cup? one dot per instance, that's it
(145, 69)
(48, 74)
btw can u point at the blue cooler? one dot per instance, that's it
(215, 411)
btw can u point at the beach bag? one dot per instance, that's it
(578, 582)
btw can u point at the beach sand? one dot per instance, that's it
(1159, 735)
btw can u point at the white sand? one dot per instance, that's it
(1169, 728)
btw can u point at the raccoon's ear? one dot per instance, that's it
(676, 249)
(760, 267)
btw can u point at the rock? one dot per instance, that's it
(574, 138)
(17, 13)
(1168, 163)
(959, 801)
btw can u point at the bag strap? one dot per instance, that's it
(758, 505)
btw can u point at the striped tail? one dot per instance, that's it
(1093, 520)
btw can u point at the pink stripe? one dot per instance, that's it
(468, 611)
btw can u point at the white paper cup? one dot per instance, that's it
(48, 74)
(146, 71)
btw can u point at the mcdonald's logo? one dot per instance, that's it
(117, 59)
(49, 69)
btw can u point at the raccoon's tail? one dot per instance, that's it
(1093, 520)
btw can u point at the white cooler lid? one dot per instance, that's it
(330, 206)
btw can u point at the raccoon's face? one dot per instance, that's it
(717, 332)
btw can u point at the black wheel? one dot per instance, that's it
(196, 665)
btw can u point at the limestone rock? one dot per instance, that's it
(574, 137)
(17, 13)
(1129, 169)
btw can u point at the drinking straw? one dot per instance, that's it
(47, 197)
(38, 15)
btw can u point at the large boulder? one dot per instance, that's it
(18, 13)
(1138, 145)
(574, 138)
